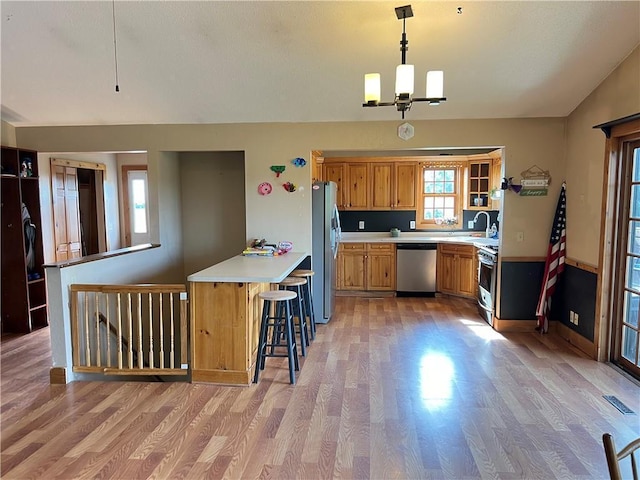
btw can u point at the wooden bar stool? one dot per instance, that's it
(282, 330)
(296, 284)
(308, 297)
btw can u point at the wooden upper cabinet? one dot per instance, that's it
(393, 186)
(405, 186)
(480, 176)
(381, 186)
(335, 172)
(358, 184)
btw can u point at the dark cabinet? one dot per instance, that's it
(24, 299)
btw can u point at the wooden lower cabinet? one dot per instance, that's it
(367, 266)
(225, 325)
(456, 270)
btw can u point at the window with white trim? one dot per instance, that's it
(440, 195)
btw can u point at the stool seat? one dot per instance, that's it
(293, 281)
(299, 272)
(281, 326)
(277, 295)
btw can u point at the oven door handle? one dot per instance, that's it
(486, 261)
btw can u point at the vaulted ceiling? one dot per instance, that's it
(301, 61)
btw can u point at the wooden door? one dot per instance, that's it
(357, 174)
(66, 213)
(381, 186)
(405, 186)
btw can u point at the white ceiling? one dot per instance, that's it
(301, 61)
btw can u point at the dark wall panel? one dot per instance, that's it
(575, 291)
(520, 289)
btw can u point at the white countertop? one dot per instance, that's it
(418, 237)
(247, 269)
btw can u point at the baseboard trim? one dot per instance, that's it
(58, 376)
(574, 338)
(502, 325)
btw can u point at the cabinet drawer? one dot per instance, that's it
(380, 247)
(351, 246)
(456, 248)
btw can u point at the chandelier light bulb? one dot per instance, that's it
(404, 79)
(372, 87)
(435, 84)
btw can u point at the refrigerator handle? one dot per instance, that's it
(336, 231)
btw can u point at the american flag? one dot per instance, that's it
(555, 262)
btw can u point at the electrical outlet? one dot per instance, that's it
(575, 318)
(470, 224)
(412, 224)
(571, 316)
(361, 225)
(519, 236)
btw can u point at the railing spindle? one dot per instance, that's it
(119, 310)
(161, 328)
(87, 345)
(151, 362)
(97, 335)
(130, 320)
(106, 309)
(139, 318)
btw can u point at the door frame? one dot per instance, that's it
(125, 199)
(618, 133)
(100, 172)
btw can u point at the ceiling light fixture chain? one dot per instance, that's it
(115, 42)
(404, 78)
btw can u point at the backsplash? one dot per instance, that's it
(383, 221)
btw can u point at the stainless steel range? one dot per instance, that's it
(487, 264)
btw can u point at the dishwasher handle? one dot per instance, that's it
(417, 246)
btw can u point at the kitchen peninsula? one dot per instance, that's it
(225, 313)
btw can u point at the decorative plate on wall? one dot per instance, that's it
(264, 188)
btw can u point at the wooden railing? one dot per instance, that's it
(129, 329)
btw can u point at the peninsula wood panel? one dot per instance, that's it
(225, 338)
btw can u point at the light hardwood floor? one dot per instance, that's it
(391, 388)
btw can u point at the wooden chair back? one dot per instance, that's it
(614, 457)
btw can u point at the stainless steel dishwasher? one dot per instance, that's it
(416, 269)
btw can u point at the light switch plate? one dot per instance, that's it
(361, 224)
(412, 224)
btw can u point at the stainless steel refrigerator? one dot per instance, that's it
(325, 238)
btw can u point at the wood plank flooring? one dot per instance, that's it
(391, 388)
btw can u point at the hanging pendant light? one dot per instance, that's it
(404, 78)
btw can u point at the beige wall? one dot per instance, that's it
(569, 148)
(7, 134)
(618, 96)
(286, 216)
(213, 207)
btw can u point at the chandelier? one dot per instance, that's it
(404, 78)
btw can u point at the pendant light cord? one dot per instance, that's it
(115, 43)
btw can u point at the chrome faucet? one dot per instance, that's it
(487, 232)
